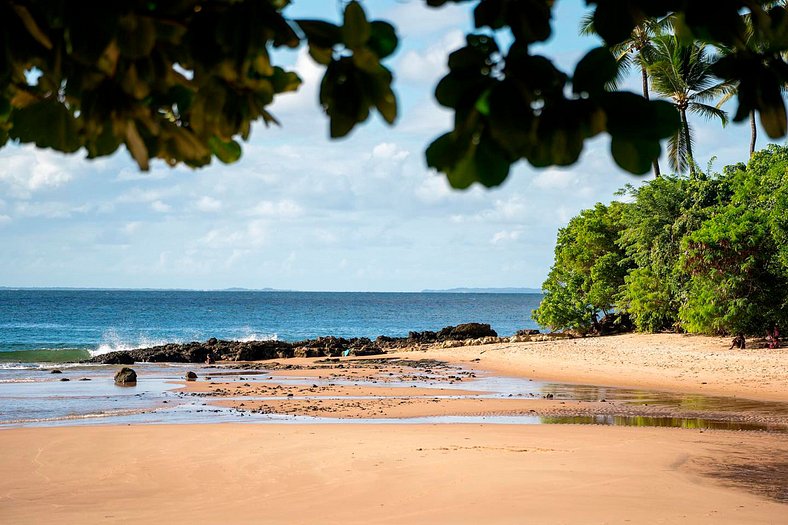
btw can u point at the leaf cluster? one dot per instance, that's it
(183, 80)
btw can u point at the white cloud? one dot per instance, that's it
(504, 236)
(160, 207)
(4, 219)
(131, 227)
(555, 179)
(389, 151)
(426, 66)
(208, 204)
(253, 235)
(284, 209)
(28, 170)
(415, 20)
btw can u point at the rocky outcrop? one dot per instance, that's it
(216, 349)
(126, 376)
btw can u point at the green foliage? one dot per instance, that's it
(181, 81)
(588, 271)
(705, 254)
(184, 80)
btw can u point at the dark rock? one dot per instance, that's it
(467, 331)
(55, 371)
(527, 332)
(191, 376)
(84, 379)
(212, 341)
(65, 379)
(114, 358)
(126, 376)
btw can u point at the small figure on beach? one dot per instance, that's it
(773, 338)
(738, 342)
(209, 360)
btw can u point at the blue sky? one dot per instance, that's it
(302, 212)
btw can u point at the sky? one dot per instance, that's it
(302, 212)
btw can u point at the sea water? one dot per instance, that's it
(45, 326)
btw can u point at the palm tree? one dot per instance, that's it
(637, 49)
(682, 73)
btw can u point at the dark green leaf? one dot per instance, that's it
(48, 124)
(356, 30)
(594, 71)
(320, 33)
(635, 156)
(383, 39)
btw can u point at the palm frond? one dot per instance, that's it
(587, 25)
(718, 91)
(708, 112)
(677, 153)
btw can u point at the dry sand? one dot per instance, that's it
(407, 473)
(385, 474)
(683, 363)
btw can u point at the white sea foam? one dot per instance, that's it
(252, 336)
(19, 366)
(113, 342)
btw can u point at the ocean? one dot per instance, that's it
(39, 326)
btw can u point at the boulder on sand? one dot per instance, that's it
(126, 376)
(191, 376)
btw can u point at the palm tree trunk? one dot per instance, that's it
(686, 131)
(644, 76)
(753, 133)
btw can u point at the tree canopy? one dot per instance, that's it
(183, 80)
(706, 253)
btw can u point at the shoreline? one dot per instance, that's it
(265, 471)
(668, 362)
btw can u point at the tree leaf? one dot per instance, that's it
(636, 156)
(596, 69)
(47, 124)
(383, 39)
(356, 30)
(321, 33)
(32, 27)
(226, 151)
(136, 146)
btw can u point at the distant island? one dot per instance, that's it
(485, 290)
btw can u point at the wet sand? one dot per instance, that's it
(422, 473)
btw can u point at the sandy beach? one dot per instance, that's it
(350, 471)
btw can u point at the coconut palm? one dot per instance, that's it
(636, 50)
(682, 73)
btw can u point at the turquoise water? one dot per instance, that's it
(68, 325)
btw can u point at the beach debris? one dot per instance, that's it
(84, 379)
(56, 371)
(126, 376)
(64, 379)
(191, 376)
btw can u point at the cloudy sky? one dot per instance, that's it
(302, 212)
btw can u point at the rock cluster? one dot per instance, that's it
(199, 352)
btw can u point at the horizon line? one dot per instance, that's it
(458, 290)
